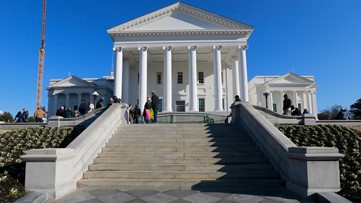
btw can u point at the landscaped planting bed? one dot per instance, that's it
(14, 144)
(347, 140)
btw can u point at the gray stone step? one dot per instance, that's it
(176, 149)
(172, 184)
(185, 160)
(181, 167)
(179, 144)
(180, 154)
(183, 175)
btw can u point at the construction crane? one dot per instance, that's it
(41, 59)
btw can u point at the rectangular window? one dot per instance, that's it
(201, 105)
(160, 106)
(138, 78)
(180, 106)
(274, 107)
(180, 78)
(222, 78)
(159, 78)
(200, 77)
(222, 103)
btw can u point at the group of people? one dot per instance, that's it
(84, 107)
(290, 110)
(150, 112)
(39, 115)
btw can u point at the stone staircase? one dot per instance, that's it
(205, 157)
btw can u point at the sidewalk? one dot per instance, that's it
(92, 195)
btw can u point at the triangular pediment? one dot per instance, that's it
(72, 81)
(290, 78)
(180, 17)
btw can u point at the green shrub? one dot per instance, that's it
(348, 142)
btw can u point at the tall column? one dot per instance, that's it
(67, 100)
(118, 79)
(167, 85)
(55, 107)
(125, 85)
(270, 98)
(235, 74)
(281, 102)
(143, 72)
(294, 102)
(309, 102)
(314, 104)
(79, 100)
(193, 99)
(243, 75)
(217, 78)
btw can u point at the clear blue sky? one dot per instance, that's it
(309, 37)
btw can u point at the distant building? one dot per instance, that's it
(71, 90)
(300, 89)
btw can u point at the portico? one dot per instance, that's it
(187, 55)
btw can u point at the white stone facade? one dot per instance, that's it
(300, 89)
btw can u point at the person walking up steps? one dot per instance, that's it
(155, 106)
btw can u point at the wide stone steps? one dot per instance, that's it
(181, 157)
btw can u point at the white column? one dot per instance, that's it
(143, 59)
(309, 102)
(281, 103)
(294, 102)
(304, 101)
(55, 107)
(314, 104)
(235, 74)
(67, 100)
(243, 75)
(79, 100)
(167, 84)
(270, 98)
(118, 79)
(193, 99)
(217, 78)
(125, 85)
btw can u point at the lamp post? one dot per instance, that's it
(95, 95)
(265, 94)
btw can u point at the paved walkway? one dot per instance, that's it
(89, 195)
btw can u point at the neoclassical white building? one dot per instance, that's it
(193, 59)
(300, 89)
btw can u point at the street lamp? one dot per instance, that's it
(95, 95)
(265, 94)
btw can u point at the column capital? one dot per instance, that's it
(193, 48)
(219, 47)
(167, 48)
(143, 48)
(118, 49)
(243, 47)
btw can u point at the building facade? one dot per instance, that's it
(187, 55)
(300, 89)
(193, 59)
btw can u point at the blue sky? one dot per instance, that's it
(309, 37)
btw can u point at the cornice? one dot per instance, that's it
(194, 11)
(181, 33)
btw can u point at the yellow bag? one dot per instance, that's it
(151, 114)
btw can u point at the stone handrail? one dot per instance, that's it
(56, 171)
(306, 170)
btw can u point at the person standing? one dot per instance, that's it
(25, 115)
(61, 111)
(83, 108)
(100, 103)
(136, 114)
(131, 114)
(155, 106)
(287, 103)
(91, 106)
(18, 117)
(68, 113)
(39, 115)
(147, 108)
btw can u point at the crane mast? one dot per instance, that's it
(41, 58)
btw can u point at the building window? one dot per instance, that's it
(201, 105)
(223, 103)
(159, 78)
(138, 78)
(274, 107)
(200, 77)
(180, 78)
(180, 106)
(222, 77)
(160, 106)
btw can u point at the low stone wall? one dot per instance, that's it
(56, 171)
(306, 170)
